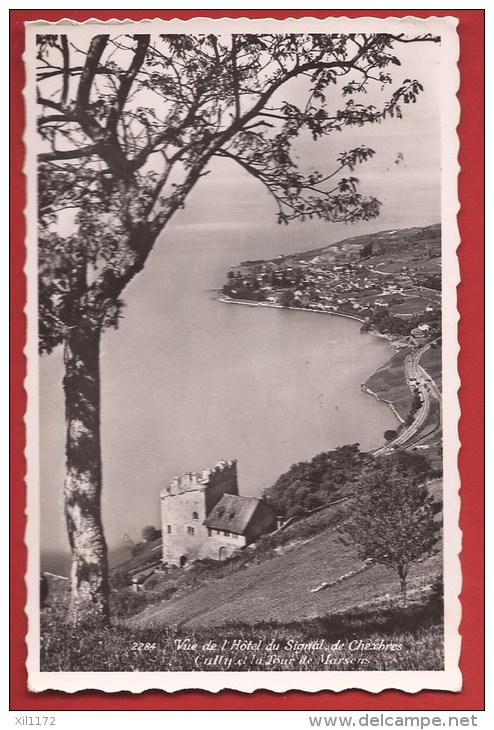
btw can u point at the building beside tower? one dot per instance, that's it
(203, 516)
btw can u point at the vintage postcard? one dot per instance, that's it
(242, 425)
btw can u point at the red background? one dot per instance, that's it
(471, 335)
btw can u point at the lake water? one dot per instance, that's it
(188, 380)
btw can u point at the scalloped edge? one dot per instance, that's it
(279, 682)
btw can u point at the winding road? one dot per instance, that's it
(428, 390)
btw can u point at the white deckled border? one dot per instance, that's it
(412, 682)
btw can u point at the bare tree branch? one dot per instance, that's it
(73, 154)
(127, 79)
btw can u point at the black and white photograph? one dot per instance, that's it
(242, 382)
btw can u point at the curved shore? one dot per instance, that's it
(245, 302)
(382, 400)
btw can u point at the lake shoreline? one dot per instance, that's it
(228, 300)
(246, 303)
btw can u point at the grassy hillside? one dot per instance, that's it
(431, 362)
(389, 384)
(280, 589)
(414, 246)
(296, 588)
(265, 617)
(377, 638)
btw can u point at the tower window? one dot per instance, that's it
(190, 531)
(195, 516)
(169, 529)
(210, 532)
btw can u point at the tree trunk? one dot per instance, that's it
(403, 573)
(82, 491)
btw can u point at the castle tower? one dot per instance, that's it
(185, 504)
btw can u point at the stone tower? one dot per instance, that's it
(185, 504)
